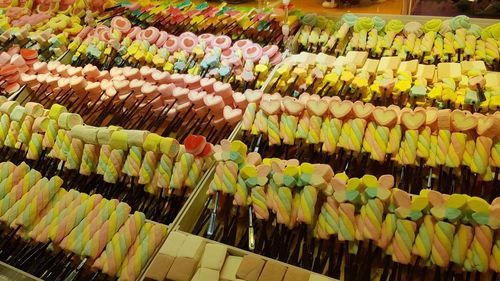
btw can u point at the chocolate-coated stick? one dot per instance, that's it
(207, 125)
(132, 111)
(105, 112)
(179, 122)
(6, 241)
(324, 89)
(141, 121)
(222, 133)
(187, 127)
(429, 179)
(78, 101)
(21, 254)
(200, 123)
(64, 271)
(211, 133)
(156, 124)
(402, 178)
(275, 84)
(120, 106)
(66, 97)
(117, 10)
(150, 112)
(55, 261)
(147, 121)
(93, 108)
(167, 129)
(42, 89)
(26, 98)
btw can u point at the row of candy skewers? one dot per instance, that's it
(18, 9)
(359, 137)
(262, 27)
(350, 127)
(306, 215)
(152, 173)
(452, 40)
(48, 32)
(467, 85)
(53, 31)
(13, 63)
(55, 233)
(144, 98)
(205, 54)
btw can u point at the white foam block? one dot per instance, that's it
(231, 265)
(214, 256)
(174, 242)
(192, 247)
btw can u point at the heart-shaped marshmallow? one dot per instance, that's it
(317, 107)
(463, 122)
(341, 109)
(385, 116)
(293, 106)
(195, 144)
(253, 95)
(271, 107)
(413, 120)
(231, 115)
(363, 110)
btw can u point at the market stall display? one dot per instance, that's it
(353, 146)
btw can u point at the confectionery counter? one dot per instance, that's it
(185, 141)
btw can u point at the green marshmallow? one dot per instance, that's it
(18, 114)
(433, 25)
(418, 91)
(119, 140)
(152, 142)
(56, 110)
(471, 97)
(8, 106)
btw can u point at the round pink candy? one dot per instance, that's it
(187, 34)
(122, 24)
(172, 43)
(277, 58)
(270, 50)
(227, 54)
(253, 52)
(133, 32)
(242, 44)
(161, 39)
(207, 37)
(150, 34)
(188, 43)
(222, 41)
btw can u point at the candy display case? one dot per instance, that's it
(353, 146)
(414, 192)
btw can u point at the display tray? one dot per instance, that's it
(482, 22)
(196, 205)
(8, 273)
(233, 251)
